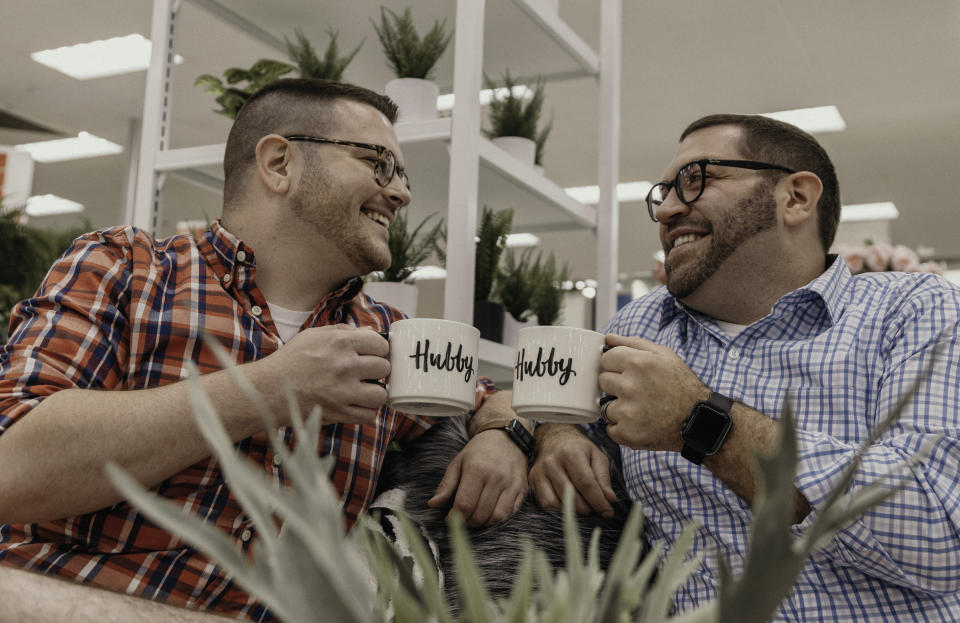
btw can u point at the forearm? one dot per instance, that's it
(52, 459)
(752, 433)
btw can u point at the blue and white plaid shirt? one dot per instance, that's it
(844, 348)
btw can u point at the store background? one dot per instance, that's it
(889, 66)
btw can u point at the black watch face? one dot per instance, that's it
(706, 429)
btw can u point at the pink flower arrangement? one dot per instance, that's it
(882, 257)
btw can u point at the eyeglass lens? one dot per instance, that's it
(387, 167)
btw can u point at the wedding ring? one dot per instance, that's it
(604, 405)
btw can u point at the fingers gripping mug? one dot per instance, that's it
(555, 376)
(433, 367)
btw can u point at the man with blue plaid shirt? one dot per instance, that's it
(756, 313)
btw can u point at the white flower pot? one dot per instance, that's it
(523, 149)
(403, 296)
(511, 327)
(415, 98)
(538, 168)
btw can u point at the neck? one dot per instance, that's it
(295, 267)
(743, 292)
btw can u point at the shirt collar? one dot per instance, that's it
(830, 289)
(225, 253)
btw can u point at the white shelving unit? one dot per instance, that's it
(465, 169)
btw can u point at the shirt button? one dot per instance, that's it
(227, 278)
(256, 310)
(734, 354)
(246, 535)
(276, 460)
(241, 256)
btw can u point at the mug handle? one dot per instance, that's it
(381, 382)
(606, 397)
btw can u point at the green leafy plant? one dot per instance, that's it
(407, 54)
(330, 67)
(409, 249)
(28, 253)
(516, 282)
(491, 240)
(548, 295)
(230, 94)
(541, 140)
(513, 115)
(306, 569)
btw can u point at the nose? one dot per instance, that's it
(671, 207)
(397, 193)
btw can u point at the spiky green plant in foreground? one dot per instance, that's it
(307, 569)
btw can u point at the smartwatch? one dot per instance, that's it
(706, 428)
(515, 429)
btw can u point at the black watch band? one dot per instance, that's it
(514, 429)
(706, 428)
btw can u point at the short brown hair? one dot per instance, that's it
(776, 142)
(282, 107)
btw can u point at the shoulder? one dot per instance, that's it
(901, 295)
(643, 315)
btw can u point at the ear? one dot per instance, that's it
(798, 194)
(274, 163)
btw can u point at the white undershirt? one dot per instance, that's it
(732, 330)
(287, 321)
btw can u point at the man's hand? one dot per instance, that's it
(565, 455)
(655, 392)
(489, 477)
(329, 366)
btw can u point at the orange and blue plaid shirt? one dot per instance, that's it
(122, 311)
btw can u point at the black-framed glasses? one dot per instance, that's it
(385, 167)
(691, 179)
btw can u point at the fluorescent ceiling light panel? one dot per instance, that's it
(49, 205)
(83, 61)
(522, 240)
(816, 120)
(84, 145)
(885, 211)
(445, 102)
(626, 191)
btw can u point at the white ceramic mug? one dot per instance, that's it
(555, 376)
(433, 366)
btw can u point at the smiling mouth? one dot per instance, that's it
(376, 217)
(685, 239)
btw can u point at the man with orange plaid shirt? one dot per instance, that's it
(313, 177)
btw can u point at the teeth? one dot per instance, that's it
(377, 217)
(685, 239)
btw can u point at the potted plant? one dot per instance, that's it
(491, 240)
(229, 93)
(231, 96)
(408, 249)
(541, 140)
(513, 119)
(548, 295)
(35, 251)
(330, 67)
(412, 60)
(517, 281)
